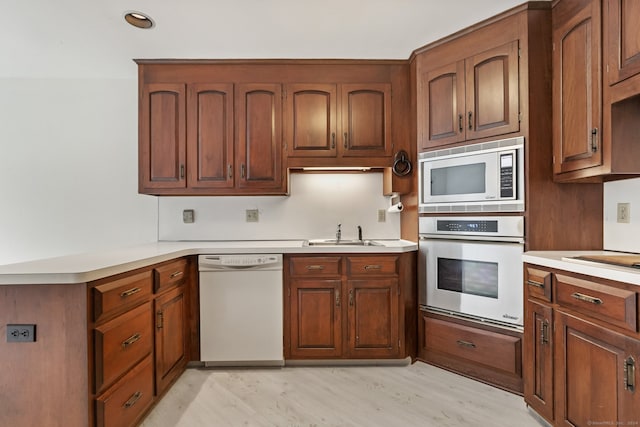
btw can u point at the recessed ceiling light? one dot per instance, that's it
(138, 19)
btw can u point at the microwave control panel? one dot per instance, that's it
(507, 175)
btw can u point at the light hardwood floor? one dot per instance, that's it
(415, 395)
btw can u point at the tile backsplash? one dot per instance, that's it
(316, 204)
(622, 236)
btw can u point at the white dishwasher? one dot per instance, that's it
(241, 312)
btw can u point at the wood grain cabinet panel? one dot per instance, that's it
(210, 151)
(121, 343)
(623, 39)
(170, 275)
(170, 337)
(162, 145)
(472, 98)
(347, 120)
(596, 375)
(373, 317)
(117, 296)
(577, 88)
(349, 306)
(316, 318)
(259, 136)
(126, 402)
(537, 359)
(538, 283)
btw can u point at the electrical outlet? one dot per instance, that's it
(188, 216)
(624, 213)
(252, 215)
(21, 333)
(382, 215)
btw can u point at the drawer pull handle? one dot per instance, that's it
(467, 344)
(315, 267)
(130, 292)
(372, 267)
(160, 322)
(587, 298)
(133, 399)
(176, 274)
(536, 284)
(630, 374)
(351, 297)
(337, 298)
(129, 341)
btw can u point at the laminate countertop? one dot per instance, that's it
(85, 267)
(565, 260)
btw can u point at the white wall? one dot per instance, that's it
(621, 236)
(68, 168)
(316, 204)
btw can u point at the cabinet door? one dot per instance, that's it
(577, 91)
(310, 116)
(259, 137)
(210, 135)
(316, 318)
(373, 317)
(171, 342)
(595, 381)
(441, 106)
(492, 97)
(623, 39)
(162, 146)
(366, 120)
(538, 358)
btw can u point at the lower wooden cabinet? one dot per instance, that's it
(139, 341)
(486, 353)
(581, 350)
(350, 306)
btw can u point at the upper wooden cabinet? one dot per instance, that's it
(188, 143)
(623, 39)
(328, 120)
(577, 88)
(596, 86)
(471, 98)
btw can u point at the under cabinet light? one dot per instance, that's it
(336, 168)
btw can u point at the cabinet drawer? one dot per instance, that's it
(120, 295)
(538, 283)
(125, 402)
(169, 276)
(372, 265)
(121, 343)
(501, 352)
(604, 302)
(315, 266)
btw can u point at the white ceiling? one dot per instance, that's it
(90, 39)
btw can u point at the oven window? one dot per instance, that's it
(464, 179)
(468, 277)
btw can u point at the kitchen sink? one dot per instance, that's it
(341, 242)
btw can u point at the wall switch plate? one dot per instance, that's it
(252, 215)
(382, 215)
(21, 333)
(188, 216)
(624, 213)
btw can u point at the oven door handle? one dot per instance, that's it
(497, 239)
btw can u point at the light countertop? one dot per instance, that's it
(562, 260)
(86, 267)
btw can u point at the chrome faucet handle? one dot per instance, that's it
(360, 233)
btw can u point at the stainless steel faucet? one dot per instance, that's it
(339, 232)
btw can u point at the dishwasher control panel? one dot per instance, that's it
(239, 261)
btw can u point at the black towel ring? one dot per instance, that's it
(401, 164)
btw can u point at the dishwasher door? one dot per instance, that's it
(241, 310)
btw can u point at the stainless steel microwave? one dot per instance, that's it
(484, 177)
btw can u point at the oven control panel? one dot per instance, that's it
(475, 226)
